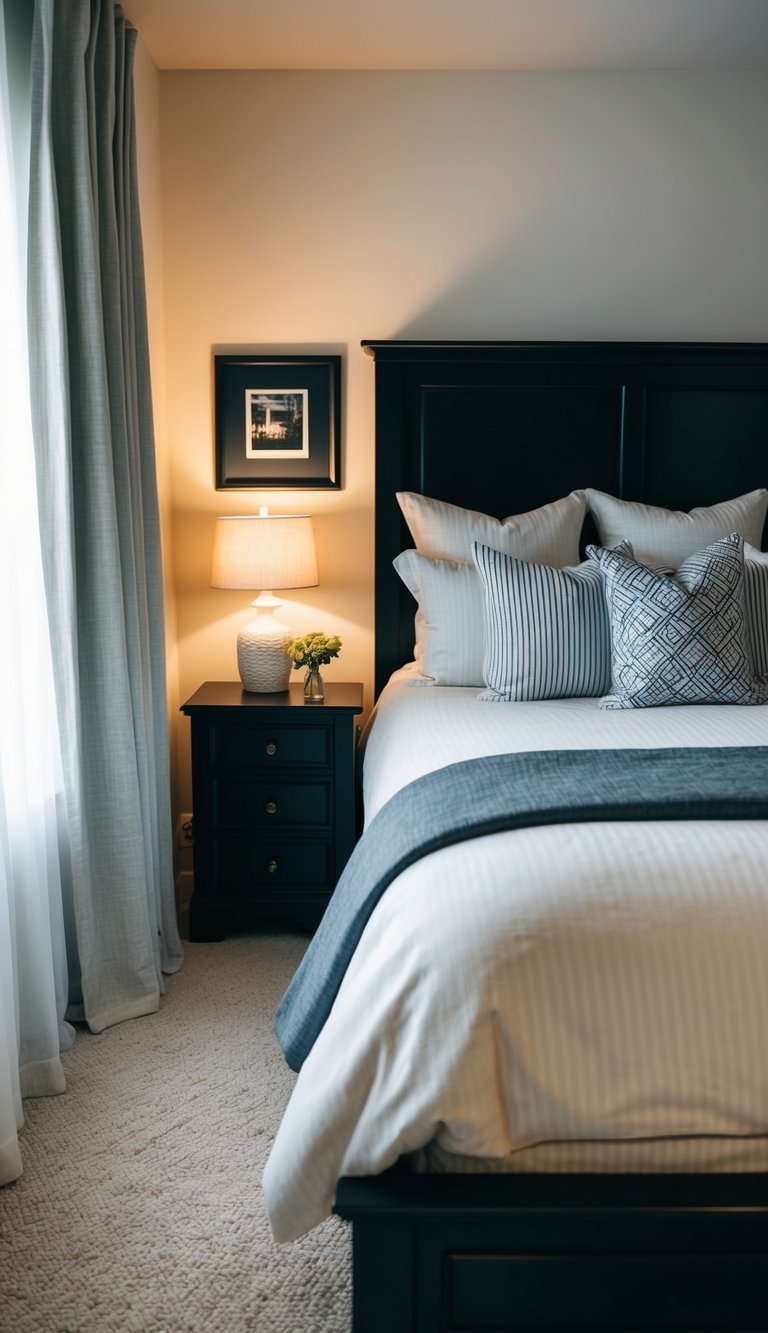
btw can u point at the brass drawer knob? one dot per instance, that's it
(272, 866)
(271, 748)
(271, 807)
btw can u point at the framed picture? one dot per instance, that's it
(277, 422)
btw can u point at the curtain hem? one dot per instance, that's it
(122, 1012)
(10, 1162)
(42, 1078)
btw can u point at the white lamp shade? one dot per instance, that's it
(264, 551)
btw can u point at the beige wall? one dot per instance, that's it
(147, 96)
(304, 211)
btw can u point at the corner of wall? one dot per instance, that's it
(147, 100)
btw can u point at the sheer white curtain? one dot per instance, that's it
(33, 972)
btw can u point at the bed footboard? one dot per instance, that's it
(470, 1253)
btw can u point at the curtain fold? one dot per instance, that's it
(33, 974)
(85, 829)
(98, 508)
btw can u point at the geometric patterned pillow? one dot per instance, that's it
(680, 639)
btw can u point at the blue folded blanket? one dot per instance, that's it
(497, 792)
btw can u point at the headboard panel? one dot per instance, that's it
(504, 427)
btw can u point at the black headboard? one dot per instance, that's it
(504, 427)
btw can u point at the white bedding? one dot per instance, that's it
(586, 996)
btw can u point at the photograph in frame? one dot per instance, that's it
(277, 421)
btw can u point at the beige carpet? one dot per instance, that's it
(140, 1207)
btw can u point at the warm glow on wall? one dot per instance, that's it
(264, 551)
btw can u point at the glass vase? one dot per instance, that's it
(314, 690)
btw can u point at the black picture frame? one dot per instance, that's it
(277, 421)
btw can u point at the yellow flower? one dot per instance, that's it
(313, 650)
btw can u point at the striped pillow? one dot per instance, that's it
(547, 630)
(756, 598)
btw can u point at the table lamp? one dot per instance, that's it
(264, 551)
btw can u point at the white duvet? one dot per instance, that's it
(586, 996)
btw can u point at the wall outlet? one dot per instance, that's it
(184, 836)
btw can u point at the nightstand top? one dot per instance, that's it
(343, 696)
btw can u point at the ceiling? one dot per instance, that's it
(453, 34)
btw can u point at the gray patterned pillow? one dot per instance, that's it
(681, 639)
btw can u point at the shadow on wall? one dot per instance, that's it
(586, 281)
(336, 536)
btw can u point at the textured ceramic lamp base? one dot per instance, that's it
(262, 656)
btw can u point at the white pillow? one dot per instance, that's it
(547, 630)
(668, 536)
(450, 617)
(549, 535)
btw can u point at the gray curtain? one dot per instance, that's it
(94, 444)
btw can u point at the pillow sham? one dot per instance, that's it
(756, 599)
(669, 536)
(450, 617)
(550, 534)
(680, 640)
(547, 631)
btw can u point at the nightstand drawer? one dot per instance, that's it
(266, 804)
(242, 866)
(246, 746)
(273, 795)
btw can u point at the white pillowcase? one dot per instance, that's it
(450, 617)
(445, 531)
(669, 536)
(549, 535)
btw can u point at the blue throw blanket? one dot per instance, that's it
(498, 792)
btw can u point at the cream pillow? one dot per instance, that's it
(669, 536)
(549, 535)
(450, 621)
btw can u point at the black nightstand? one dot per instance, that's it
(273, 796)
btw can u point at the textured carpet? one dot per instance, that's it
(140, 1208)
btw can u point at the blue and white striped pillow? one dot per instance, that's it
(547, 631)
(756, 597)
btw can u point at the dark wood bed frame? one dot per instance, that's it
(505, 427)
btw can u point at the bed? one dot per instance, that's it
(546, 1107)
